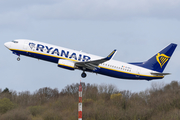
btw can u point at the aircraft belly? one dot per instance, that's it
(123, 75)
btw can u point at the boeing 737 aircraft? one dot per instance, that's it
(71, 60)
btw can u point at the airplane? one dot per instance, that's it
(72, 59)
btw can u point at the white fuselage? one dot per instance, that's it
(53, 53)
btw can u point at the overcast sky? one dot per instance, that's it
(138, 29)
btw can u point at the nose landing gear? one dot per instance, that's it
(18, 59)
(83, 75)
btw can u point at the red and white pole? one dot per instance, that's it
(80, 103)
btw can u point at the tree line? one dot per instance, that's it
(100, 102)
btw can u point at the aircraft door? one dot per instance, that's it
(25, 46)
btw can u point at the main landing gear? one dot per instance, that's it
(83, 75)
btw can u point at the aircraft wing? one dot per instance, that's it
(92, 65)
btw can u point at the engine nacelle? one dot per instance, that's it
(66, 64)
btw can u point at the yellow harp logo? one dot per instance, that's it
(162, 59)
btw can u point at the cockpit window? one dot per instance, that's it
(15, 41)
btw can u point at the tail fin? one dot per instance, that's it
(159, 61)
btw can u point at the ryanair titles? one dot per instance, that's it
(61, 53)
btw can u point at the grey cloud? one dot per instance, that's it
(17, 13)
(107, 10)
(87, 10)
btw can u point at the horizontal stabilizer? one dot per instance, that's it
(160, 74)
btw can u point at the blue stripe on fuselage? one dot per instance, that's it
(101, 70)
(38, 56)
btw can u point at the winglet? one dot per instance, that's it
(110, 56)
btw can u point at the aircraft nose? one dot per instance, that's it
(7, 44)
